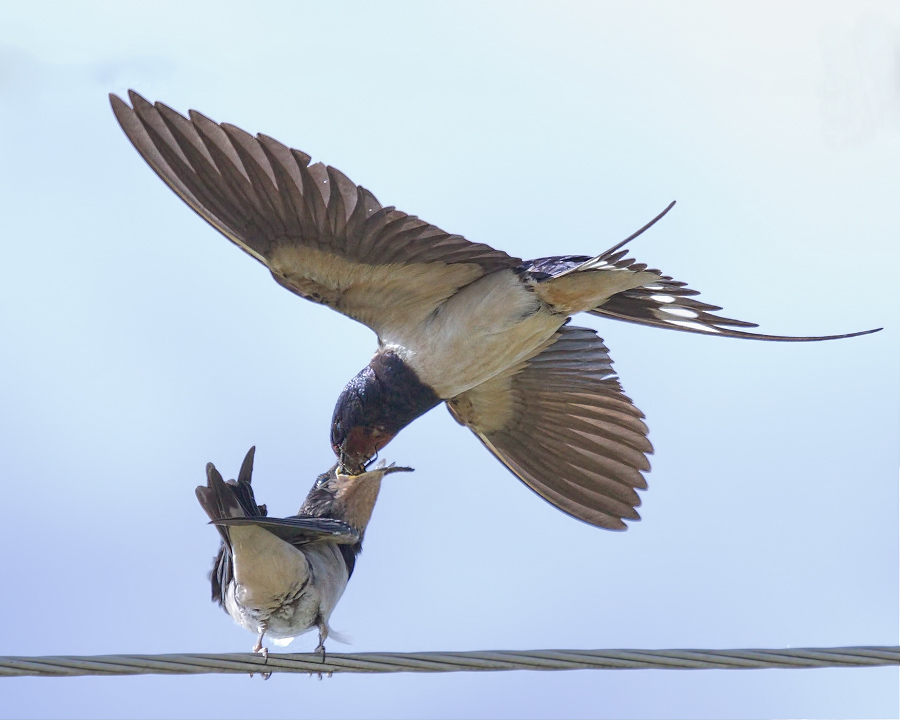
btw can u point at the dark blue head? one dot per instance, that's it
(380, 401)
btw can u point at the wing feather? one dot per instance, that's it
(561, 423)
(298, 530)
(321, 236)
(234, 499)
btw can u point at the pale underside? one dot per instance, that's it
(272, 585)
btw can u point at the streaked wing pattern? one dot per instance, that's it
(561, 423)
(321, 236)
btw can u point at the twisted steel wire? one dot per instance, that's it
(191, 664)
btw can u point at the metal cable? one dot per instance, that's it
(179, 664)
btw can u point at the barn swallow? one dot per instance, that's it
(457, 321)
(284, 576)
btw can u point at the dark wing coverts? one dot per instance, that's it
(321, 236)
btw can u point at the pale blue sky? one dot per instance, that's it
(138, 345)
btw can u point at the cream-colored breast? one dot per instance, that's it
(278, 584)
(266, 568)
(483, 329)
(267, 571)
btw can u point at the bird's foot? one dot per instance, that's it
(264, 651)
(258, 648)
(323, 635)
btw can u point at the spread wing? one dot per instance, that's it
(321, 236)
(561, 423)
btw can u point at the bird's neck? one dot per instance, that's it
(380, 401)
(397, 392)
(355, 498)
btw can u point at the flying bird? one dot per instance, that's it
(457, 321)
(284, 576)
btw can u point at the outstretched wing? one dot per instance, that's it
(561, 423)
(322, 237)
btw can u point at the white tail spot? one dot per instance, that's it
(694, 326)
(680, 312)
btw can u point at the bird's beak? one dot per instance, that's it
(359, 448)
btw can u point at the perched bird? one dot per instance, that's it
(457, 321)
(284, 576)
